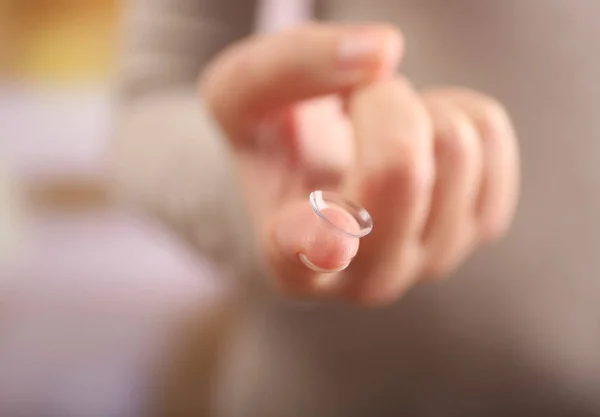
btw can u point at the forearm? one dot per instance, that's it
(169, 158)
(171, 161)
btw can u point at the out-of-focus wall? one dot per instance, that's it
(59, 40)
(83, 270)
(56, 61)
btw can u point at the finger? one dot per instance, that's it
(498, 193)
(450, 230)
(305, 252)
(267, 72)
(326, 161)
(392, 180)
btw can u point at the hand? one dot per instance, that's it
(319, 107)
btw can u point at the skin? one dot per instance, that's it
(321, 107)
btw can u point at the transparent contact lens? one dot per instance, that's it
(340, 213)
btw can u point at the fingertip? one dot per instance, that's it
(305, 254)
(310, 265)
(300, 232)
(376, 48)
(328, 251)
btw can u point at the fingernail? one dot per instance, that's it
(316, 268)
(369, 47)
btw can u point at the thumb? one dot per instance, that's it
(305, 252)
(267, 72)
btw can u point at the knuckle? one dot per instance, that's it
(440, 266)
(440, 260)
(399, 82)
(494, 109)
(451, 249)
(493, 120)
(379, 292)
(401, 165)
(492, 228)
(221, 75)
(212, 90)
(398, 150)
(403, 171)
(206, 84)
(399, 88)
(388, 91)
(457, 142)
(438, 270)
(489, 114)
(493, 222)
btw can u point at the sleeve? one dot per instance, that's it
(168, 158)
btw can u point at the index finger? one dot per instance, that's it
(267, 72)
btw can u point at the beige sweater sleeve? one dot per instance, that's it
(170, 160)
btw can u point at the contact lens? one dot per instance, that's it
(341, 214)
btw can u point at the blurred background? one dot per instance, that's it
(83, 284)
